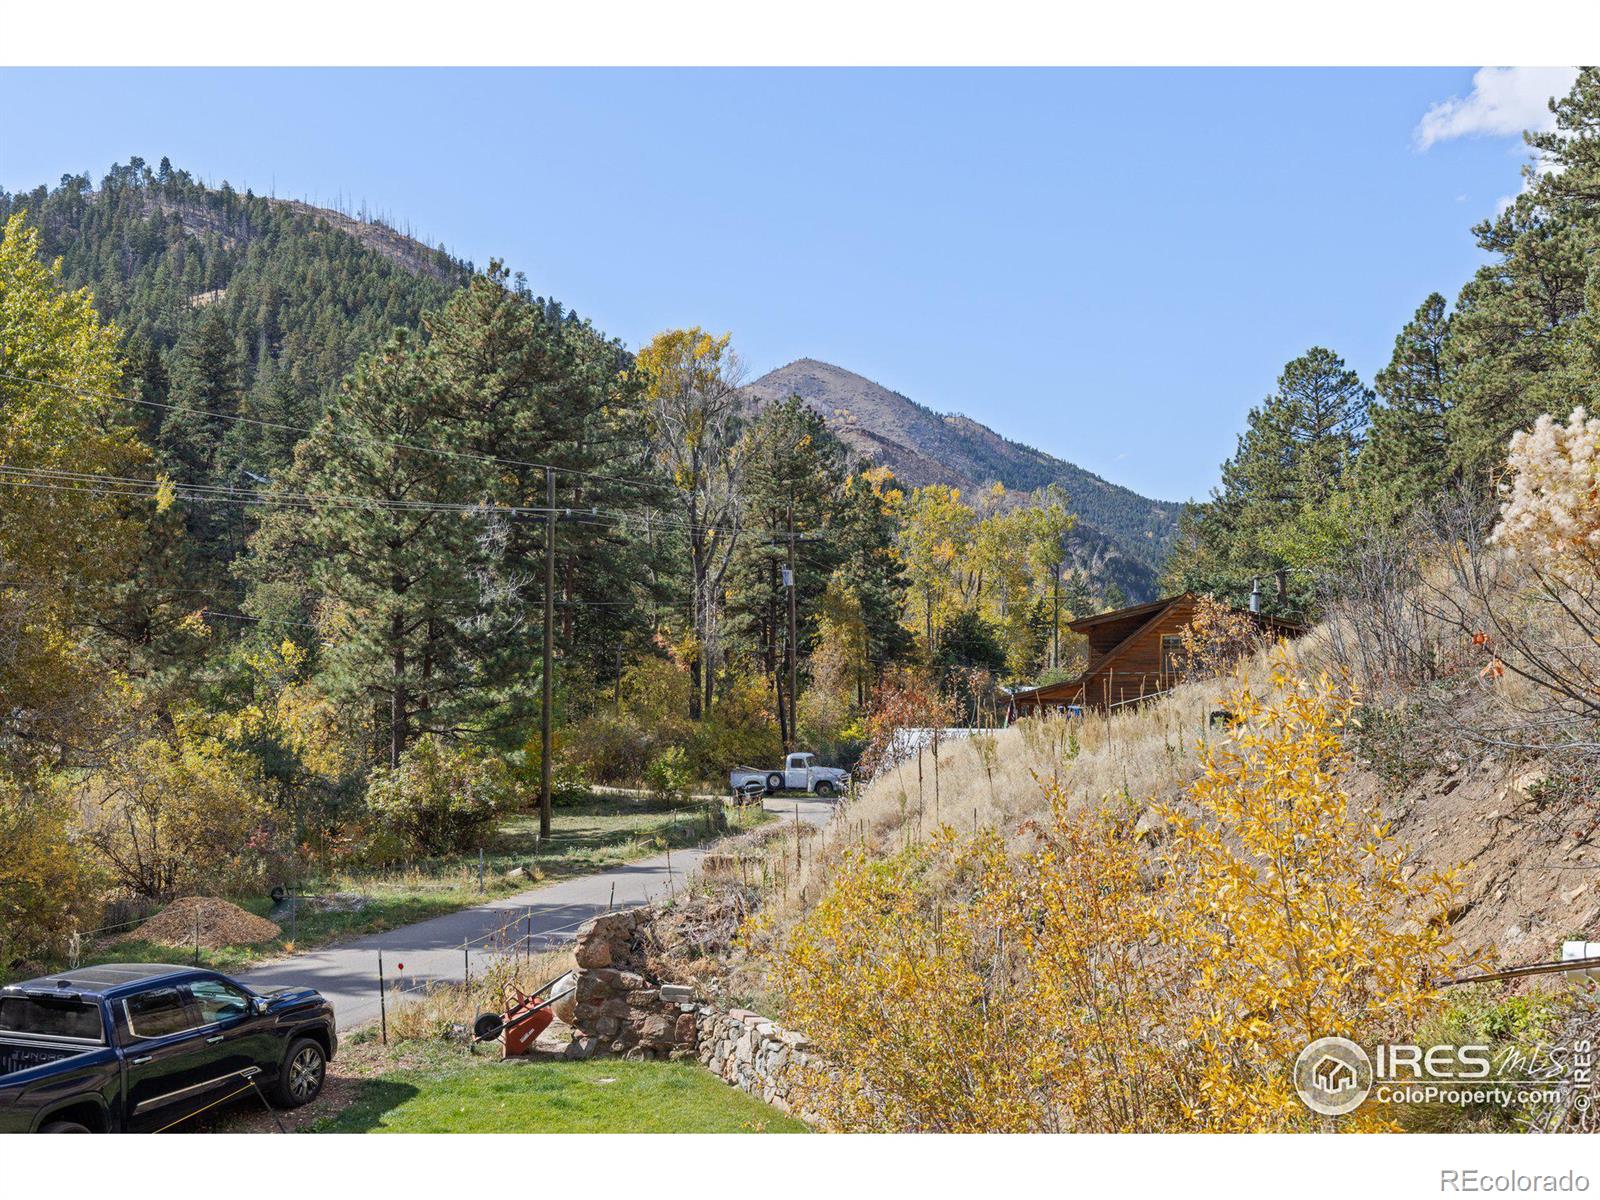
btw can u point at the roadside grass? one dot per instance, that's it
(443, 1091)
(1521, 1032)
(585, 837)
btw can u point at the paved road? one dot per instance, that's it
(347, 973)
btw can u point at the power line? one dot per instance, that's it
(212, 612)
(235, 494)
(119, 485)
(334, 433)
(652, 519)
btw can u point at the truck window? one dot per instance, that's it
(51, 1016)
(218, 1001)
(158, 1013)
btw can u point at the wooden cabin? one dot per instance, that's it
(1134, 653)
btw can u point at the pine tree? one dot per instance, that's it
(406, 525)
(1280, 503)
(868, 531)
(1524, 337)
(793, 471)
(395, 582)
(1405, 459)
(206, 393)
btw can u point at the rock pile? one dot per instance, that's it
(621, 1007)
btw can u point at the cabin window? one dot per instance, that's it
(1172, 656)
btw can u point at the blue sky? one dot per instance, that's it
(1111, 265)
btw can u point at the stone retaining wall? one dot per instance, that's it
(756, 1056)
(620, 1009)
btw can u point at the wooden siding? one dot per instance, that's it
(1125, 663)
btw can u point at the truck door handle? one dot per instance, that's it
(212, 1041)
(139, 1062)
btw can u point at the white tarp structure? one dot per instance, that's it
(909, 739)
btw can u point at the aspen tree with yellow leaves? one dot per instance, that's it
(60, 427)
(1293, 908)
(691, 387)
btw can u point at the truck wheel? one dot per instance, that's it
(304, 1068)
(824, 788)
(774, 783)
(64, 1127)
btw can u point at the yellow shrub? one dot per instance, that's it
(1292, 909)
(904, 994)
(180, 815)
(1072, 981)
(48, 886)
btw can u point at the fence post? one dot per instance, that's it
(466, 964)
(612, 903)
(197, 935)
(383, 1007)
(480, 870)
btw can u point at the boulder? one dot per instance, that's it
(656, 1028)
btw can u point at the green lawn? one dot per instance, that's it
(608, 1096)
(584, 838)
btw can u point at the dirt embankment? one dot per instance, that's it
(1528, 866)
(1526, 844)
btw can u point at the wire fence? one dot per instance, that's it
(515, 940)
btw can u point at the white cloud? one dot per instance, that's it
(1503, 101)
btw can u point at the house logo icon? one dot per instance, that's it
(1333, 1076)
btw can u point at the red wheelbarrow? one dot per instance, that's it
(524, 1019)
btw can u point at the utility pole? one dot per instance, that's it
(794, 637)
(546, 715)
(1055, 622)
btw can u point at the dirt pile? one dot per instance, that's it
(216, 923)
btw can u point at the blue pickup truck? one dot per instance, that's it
(142, 1047)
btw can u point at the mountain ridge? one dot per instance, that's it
(1122, 536)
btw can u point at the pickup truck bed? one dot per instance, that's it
(24, 1056)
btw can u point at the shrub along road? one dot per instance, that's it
(347, 974)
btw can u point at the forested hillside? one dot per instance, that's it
(290, 295)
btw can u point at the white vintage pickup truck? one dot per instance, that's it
(799, 774)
